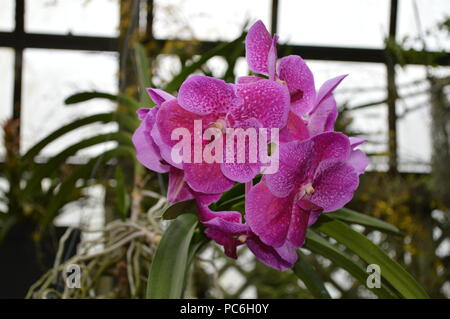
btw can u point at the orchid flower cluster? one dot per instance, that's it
(318, 169)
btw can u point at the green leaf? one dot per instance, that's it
(102, 117)
(351, 217)
(122, 196)
(82, 171)
(48, 168)
(175, 210)
(303, 270)
(398, 277)
(231, 202)
(237, 190)
(169, 266)
(143, 71)
(323, 247)
(119, 98)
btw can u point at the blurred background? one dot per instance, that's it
(397, 55)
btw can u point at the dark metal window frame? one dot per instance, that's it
(20, 40)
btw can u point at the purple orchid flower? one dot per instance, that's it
(219, 105)
(226, 228)
(317, 175)
(261, 55)
(148, 153)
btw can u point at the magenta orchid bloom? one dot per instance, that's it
(261, 55)
(226, 228)
(149, 153)
(220, 105)
(317, 175)
(318, 169)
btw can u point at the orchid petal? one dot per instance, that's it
(331, 145)
(246, 146)
(327, 88)
(269, 255)
(206, 178)
(356, 141)
(298, 226)
(272, 58)
(300, 81)
(323, 117)
(205, 95)
(257, 46)
(359, 161)
(267, 215)
(147, 152)
(159, 96)
(334, 185)
(248, 79)
(266, 101)
(172, 116)
(178, 190)
(294, 165)
(295, 129)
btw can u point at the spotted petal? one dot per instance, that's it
(278, 258)
(294, 166)
(159, 96)
(323, 117)
(300, 81)
(334, 185)
(295, 129)
(268, 216)
(206, 178)
(147, 152)
(327, 88)
(205, 95)
(258, 43)
(266, 101)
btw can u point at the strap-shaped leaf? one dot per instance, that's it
(143, 71)
(310, 278)
(82, 171)
(321, 246)
(175, 210)
(398, 277)
(352, 217)
(169, 267)
(86, 96)
(46, 169)
(101, 117)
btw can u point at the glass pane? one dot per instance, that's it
(334, 23)
(414, 111)
(365, 83)
(80, 17)
(206, 19)
(6, 90)
(7, 15)
(50, 76)
(430, 13)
